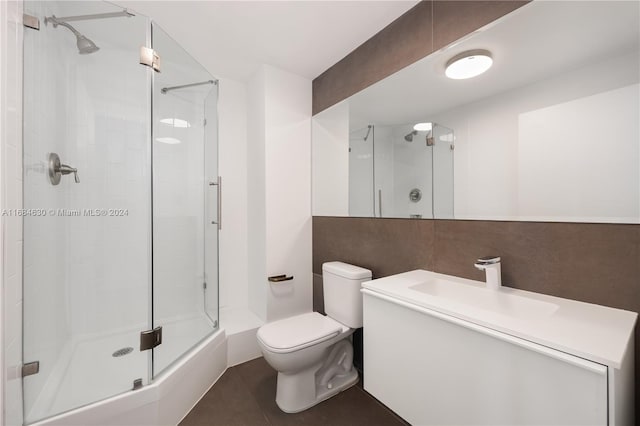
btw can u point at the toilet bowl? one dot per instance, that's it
(312, 352)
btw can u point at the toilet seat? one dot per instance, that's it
(299, 332)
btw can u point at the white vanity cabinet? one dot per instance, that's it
(434, 368)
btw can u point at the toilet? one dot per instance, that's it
(313, 353)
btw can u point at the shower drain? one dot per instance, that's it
(122, 352)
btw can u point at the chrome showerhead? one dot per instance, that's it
(85, 45)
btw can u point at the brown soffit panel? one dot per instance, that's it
(428, 26)
(401, 43)
(453, 20)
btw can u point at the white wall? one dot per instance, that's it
(256, 221)
(279, 182)
(490, 146)
(10, 198)
(288, 191)
(232, 110)
(554, 144)
(330, 148)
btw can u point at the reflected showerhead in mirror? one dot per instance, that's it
(85, 45)
(409, 137)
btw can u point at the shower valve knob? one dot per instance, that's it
(57, 170)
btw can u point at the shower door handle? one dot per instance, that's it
(218, 185)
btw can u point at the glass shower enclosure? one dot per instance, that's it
(120, 186)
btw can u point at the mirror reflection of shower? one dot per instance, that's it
(427, 128)
(406, 171)
(369, 127)
(84, 44)
(409, 136)
(361, 171)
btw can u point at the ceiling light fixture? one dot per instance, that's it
(468, 64)
(423, 127)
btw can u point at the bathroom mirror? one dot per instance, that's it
(549, 133)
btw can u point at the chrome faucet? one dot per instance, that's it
(491, 265)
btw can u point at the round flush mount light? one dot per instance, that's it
(468, 64)
(423, 127)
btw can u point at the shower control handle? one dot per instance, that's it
(65, 170)
(57, 170)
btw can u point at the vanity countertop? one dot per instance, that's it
(597, 333)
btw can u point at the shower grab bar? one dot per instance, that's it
(218, 184)
(164, 90)
(279, 278)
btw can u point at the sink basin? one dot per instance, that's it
(499, 301)
(593, 332)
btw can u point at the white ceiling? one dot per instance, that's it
(232, 38)
(539, 40)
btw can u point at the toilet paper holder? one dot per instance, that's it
(279, 278)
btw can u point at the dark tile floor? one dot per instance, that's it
(245, 396)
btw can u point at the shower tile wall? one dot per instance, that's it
(78, 268)
(11, 106)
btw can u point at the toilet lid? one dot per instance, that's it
(298, 332)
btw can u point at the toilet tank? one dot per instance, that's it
(341, 287)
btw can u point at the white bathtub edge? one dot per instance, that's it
(164, 402)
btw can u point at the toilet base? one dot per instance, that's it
(299, 392)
